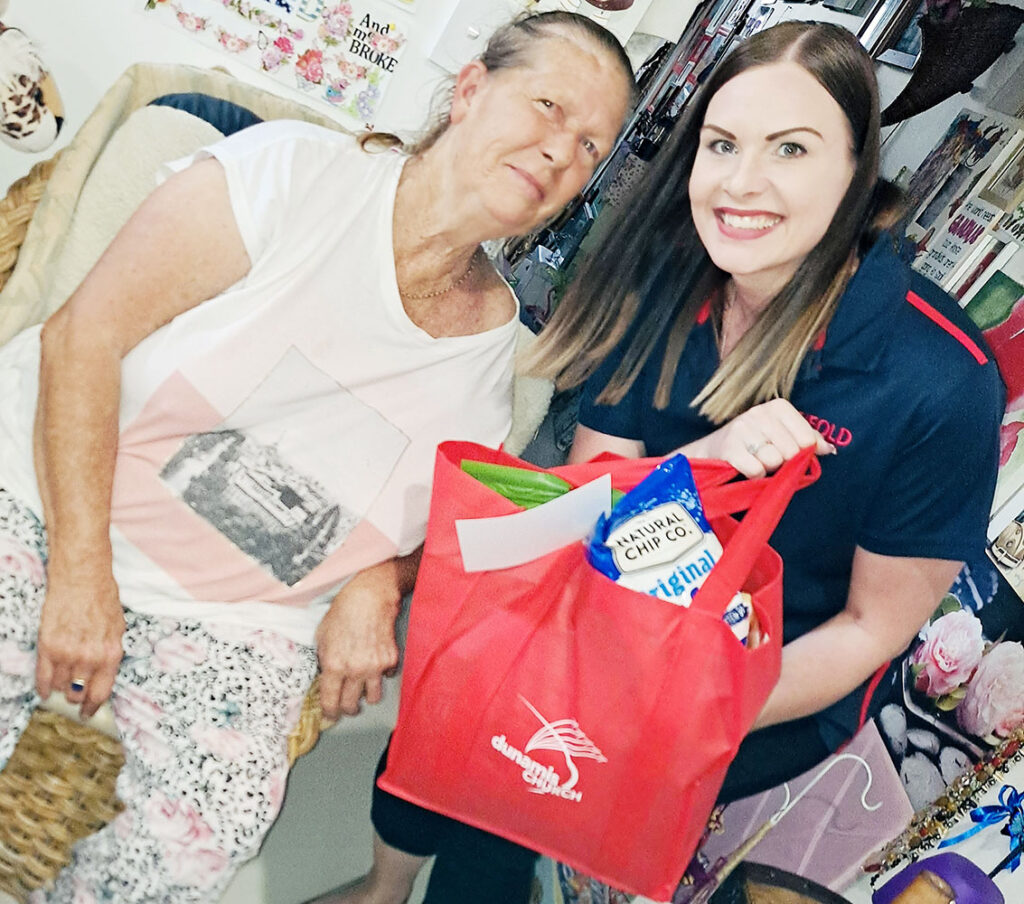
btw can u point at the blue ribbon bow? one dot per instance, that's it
(1011, 808)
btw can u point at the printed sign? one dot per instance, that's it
(969, 223)
(341, 54)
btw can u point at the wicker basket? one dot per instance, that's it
(58, 785)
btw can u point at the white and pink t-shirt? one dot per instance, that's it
(280, 437)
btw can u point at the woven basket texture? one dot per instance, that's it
(16, 211)
(58, 786)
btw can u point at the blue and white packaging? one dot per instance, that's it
(658, 541)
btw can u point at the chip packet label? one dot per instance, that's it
(658, 541)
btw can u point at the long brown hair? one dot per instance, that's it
(651, 269)
(511, 46)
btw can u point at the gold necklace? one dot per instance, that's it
(448, 288)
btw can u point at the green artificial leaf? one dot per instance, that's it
(523, 486)
(519, 485)
(947, 702)
(949, 604)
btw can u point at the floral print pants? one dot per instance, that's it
(203, 711)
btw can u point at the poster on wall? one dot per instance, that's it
(958, 237)
(953, 171)
(342, 55)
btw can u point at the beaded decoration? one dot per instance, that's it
(931, 823)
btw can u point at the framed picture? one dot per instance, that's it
(1006, 188)
(907, 49)
(885, 23)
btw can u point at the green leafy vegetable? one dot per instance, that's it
(521, 485)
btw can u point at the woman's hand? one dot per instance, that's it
(356, 639)
(80, 642)
(760, 439)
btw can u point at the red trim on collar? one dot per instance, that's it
(918, 302)
(704, 313)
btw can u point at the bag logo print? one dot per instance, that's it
(563, 736)
(655, 537)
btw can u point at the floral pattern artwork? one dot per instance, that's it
(341, 53)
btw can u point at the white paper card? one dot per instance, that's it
(489, 544)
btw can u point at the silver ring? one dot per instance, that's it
(77, 685)
(753, 448)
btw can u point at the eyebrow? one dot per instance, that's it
(774, 135)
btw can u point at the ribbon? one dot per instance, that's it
(1010, 808)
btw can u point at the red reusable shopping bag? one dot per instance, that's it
(549, 705)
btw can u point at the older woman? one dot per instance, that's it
(234, 428)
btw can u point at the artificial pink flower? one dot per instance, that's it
(994, 704)
(284, 45)
(950, 651)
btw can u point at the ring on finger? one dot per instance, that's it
(77, 685)
(754, 448)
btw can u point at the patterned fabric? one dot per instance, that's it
(204, 712)
(22, 587)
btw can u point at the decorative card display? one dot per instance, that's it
(1011, 225)
(970, 222)
(341, 54)
(953, 170)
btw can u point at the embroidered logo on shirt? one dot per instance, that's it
(838, 436)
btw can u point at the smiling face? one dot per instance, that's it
(527, 138)
(774, 161)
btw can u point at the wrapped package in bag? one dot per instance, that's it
(553, 707)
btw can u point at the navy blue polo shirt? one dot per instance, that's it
(906, 390)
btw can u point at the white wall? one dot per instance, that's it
(87, 44)
(909, 142)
